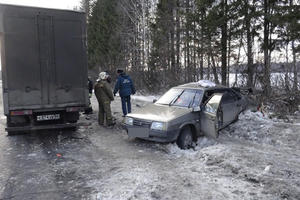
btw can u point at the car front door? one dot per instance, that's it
(209, 116)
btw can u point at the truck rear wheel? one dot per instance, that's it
(13, 133)
(72, 117)
(15, 121)
(73, 129)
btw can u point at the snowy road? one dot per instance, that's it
(255, 158)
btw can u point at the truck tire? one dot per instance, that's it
(185, 139)
(73, 129)
(10, 133)
(72, 117)
(10, 122)
(14, 133)
(14, 121)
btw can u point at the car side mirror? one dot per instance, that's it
(197, 109)
(154, 100)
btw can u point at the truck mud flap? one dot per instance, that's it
(44, 127)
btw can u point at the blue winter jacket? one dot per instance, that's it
(124, 85)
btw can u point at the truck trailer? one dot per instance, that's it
(44, 67)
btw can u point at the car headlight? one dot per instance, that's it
(160, 126)
(129, 121)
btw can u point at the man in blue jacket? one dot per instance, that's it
(126, 88)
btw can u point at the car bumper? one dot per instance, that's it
(152, 135)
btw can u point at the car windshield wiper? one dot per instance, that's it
(175, 99)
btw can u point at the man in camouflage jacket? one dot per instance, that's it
(104, 96)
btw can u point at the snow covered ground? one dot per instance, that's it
(255, 158)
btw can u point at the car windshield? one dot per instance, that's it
(181, 97)
(169, 96)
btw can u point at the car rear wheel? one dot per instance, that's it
(185, 139)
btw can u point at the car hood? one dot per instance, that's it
(156, 112)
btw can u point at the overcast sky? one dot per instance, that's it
(61, 4)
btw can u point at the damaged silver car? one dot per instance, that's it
(186, 112)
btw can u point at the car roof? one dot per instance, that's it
(198, 85)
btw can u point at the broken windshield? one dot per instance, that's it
(181, 97)
(169, 96)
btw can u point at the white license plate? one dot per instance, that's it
(48, 117)
(138, 132)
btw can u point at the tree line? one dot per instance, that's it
(162, 43)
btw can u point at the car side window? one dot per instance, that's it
(227, 98)
(197, 99)
(206, 96)
(230, 97)
(236, 95)
(213, 104)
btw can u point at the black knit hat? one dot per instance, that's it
(120, 71)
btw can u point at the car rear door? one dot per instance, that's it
(20, 64)
(209, 122)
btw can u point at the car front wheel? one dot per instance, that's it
(185, 139)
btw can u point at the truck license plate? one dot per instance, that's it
(48, 117)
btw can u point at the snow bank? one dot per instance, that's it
(251, 126)
(201, 143)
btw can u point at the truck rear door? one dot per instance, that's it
(44, 58)
(46, 54)
(62, 60)
(23, 75)
(70, 59)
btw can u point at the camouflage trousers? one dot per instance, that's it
(104, 110)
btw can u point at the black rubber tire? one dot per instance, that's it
(9, 133)
(185, 139)
(71, 129)
(15, 133)
(74, 129)
(71, 117)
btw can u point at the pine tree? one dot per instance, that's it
(104, 43)
(287, 18)
(162, 57)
